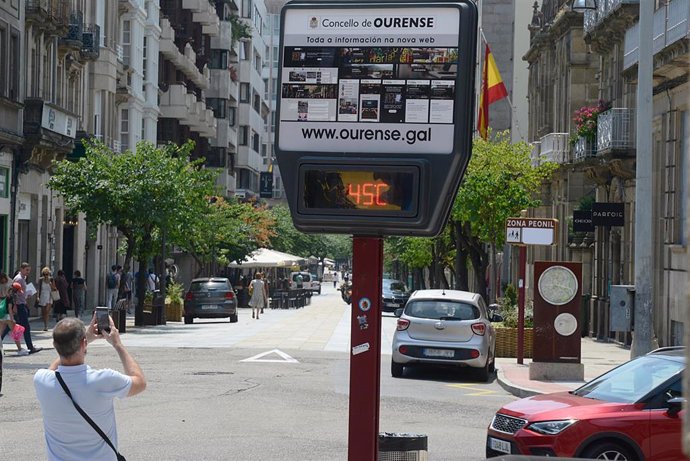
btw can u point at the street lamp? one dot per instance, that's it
(580, 6)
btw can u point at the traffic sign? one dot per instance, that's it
(375, 113)
(531, 231)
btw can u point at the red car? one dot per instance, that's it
(633, 413)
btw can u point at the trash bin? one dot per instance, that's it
(402, 447)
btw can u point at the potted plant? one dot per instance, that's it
(173, 302)
(507, 331)
(585, 119)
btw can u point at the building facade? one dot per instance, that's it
(591, 60)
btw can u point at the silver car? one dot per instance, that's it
(444, 327)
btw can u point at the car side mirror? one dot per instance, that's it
(675, 405)
(496, 318)
(398, 312)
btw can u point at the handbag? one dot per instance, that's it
(3, 307)
(17, 332)
(55, 295)
(87, 418)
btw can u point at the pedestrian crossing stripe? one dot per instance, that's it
(478, 391)
(284, 358)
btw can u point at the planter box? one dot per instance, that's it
(506, 342)
(173, 312)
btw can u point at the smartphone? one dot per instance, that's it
(102, 319)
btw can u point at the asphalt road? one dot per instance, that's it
(269, 389)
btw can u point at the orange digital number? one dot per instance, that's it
(368, 194)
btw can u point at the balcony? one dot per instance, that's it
(129, 6)
(177, 103)
(52, 16)
(216, 157)
(204, 13)
(185, 62)
(73, 38)
(583, 149)
(670, 27)
(615, 131)
(91, 42)
(607, 10)
(554, 148)
(223, 41)
(247, 158)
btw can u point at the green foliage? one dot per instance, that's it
(415, 252)
(174, 293)
(510, 315)
(289, 240)
(586, 202)
(141, 192)
(499, 182)
(510, 295)
(240, 29)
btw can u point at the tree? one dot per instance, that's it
(144, 193)
(500, 181)
(229, 232)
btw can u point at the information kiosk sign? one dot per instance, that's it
(375, 113)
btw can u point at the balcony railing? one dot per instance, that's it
(670, 25)
(73, 37)
(604, 9)
(583, 149)
(615, 130)
(52, 15)
(554, 148)
(91, 42)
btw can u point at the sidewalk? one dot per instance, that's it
(597, 356)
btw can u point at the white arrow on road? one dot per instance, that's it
(260, 357)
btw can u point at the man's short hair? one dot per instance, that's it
(68, 335)
(24, 265)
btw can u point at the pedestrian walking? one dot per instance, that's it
(258, 291)
(152, 281)
(7, 313)
(69, 391)
(21, 315)
(78, 286)
(46, 287)
(335, 279)
(127, 282)
(62, 305)
(112, 281)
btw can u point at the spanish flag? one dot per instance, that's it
(493, 90)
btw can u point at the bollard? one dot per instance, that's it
(402, 447)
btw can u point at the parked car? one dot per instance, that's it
(394, 294)
(315, 284)
(630, 413)
(210, 297)
(444, 327)
(307, 281)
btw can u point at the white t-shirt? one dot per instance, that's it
(68, 435)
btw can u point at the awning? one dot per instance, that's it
(263, 257)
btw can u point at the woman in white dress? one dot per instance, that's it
(259, 292)
(45, 301)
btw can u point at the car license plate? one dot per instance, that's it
(439, 353)
(208, 307)
(499, 445)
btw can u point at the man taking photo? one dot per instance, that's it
(69, 436)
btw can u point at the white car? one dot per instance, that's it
(444, 327)
(309, 282)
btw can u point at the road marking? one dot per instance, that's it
(259, 357)
(469, 387)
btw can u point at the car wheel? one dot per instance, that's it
(188, 319)
(484, 372)
(492, 367)
(233, 318)
(608, 451)
(397, 369)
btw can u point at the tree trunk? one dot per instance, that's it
(461, 255)
(492, 275)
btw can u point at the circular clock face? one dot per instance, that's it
(565, 324)
(558, 285)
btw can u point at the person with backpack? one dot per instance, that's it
(112, 281)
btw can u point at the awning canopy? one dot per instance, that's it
(263, 257)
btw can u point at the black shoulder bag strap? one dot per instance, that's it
(87, 418)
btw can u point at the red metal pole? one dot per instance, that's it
(365, 359)
(521, 304)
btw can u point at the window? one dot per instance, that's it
(126, 41)
(231, 116)
(4, 180)
(246, 8)
(144, 87)
(218, 60)
(276, 56)
(256, 141)
(244, 92)
(257, 62)
(124, 130)
(245, 48)
(143, 129)
(242, 135)
(683, 166)
(266, 87)
(218, 106)
(257, 103)
(3, 60)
